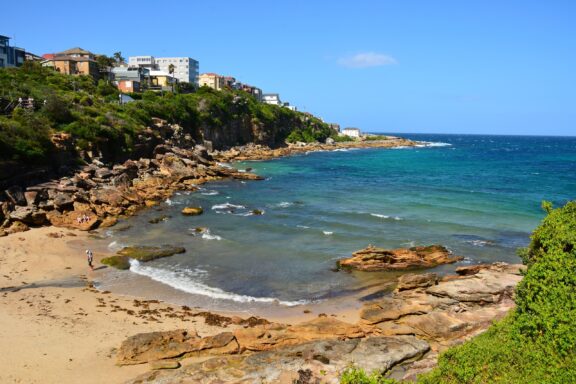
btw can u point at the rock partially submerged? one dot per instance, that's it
(192, 211)
(373, 258)
(141, 253)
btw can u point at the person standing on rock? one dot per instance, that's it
(90, 257)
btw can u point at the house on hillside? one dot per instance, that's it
(271, 98)
(10, 56)
(211, 80)
(185, 69)
(74, 61)
(161, 80)
(351, 132)
(131, 79)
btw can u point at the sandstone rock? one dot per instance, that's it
(103, 173)
(486, 286)
(17, 227)
(164, 364)
(153, 346)
(192, 211)
(28, 215)
(32, 197)
(390, 308)
(16, 195)
(316, 361)
(63, 201)
(109, 196)
(375, 259)
(146, 253)
(82, 220)
(122, 181)
(412, 281)
(108, 222)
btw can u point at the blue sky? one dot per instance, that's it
(492, 66)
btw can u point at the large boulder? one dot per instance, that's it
(15, 194)
(373, 258)
(192, 211)
(28, 215)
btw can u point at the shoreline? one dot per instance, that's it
(51, 307)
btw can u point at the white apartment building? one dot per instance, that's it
(185, 68)
(271, 98)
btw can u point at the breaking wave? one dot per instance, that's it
(183, 281)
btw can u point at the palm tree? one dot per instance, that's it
(118, 57)
(171, 72)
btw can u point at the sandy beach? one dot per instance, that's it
(55, 327)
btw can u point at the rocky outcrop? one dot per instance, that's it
(379, 259)
(310, 362)
(192, 211)
(446, 311)
(263, 336)
(255, 151)
(141, 253)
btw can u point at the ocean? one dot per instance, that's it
(478, 195)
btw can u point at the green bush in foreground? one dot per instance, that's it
(536, 343)
(359, 376)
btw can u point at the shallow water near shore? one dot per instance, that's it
(478, 195)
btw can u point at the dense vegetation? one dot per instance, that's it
(536, 343)
(90, 112)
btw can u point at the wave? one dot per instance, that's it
(479, 243)
(227, 206)
(208, 236)
(303, 226)
(284, 204)
(225, 165)
(327, 233)
(210, 193)
(397, 218)
(434, 144)
(183, 282)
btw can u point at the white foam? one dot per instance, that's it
(225, 165)
(436, 144)
(115, 246)
(227, 206)
(327, 233)
(479, 243)
(285, 204)
(302, 226)
(168, 201)
(182, 281)
(397, 218)
(208, 236)
(210, 193)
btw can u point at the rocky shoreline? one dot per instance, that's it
(98, 194)
(400, 335)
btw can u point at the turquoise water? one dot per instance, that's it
(478, 195)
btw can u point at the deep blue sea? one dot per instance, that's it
(478, 195)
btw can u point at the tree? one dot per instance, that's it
(104, 62)
(118, 58)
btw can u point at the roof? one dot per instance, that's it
(210, 74)
(48, 56)
(71, 58)
(75, 51)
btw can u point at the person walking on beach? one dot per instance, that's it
(90, 257)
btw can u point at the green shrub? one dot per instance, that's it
(536, 343)
(359, 376)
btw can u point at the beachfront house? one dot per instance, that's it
(131, 79)
(351, 132)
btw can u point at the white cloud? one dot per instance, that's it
(366, 59)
